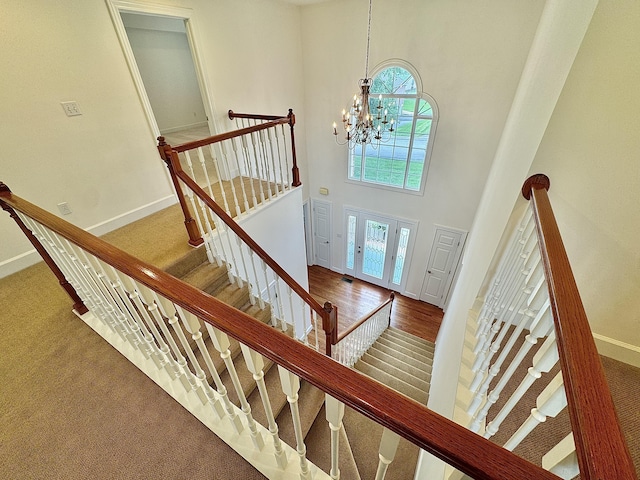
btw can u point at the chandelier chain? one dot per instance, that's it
(366, 66)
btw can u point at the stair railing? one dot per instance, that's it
(533, 292)
(157, 322)
(269, 284)
(240, 169)
(352, 343)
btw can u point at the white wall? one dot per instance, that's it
(591, 153)
(469, 56)
(166, 66)
(105, 163)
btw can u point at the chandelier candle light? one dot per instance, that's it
(361, 125)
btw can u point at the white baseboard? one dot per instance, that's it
(31, 257)
(183, 127)
(621, 351)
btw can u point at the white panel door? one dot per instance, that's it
(322, 233)
(440, 267)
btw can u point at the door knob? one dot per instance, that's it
(428, 271)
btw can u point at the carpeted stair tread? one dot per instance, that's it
(421, 383)
(421, 350)
(409, 338)
(402, 349)
(310, 401)
(207, 277)
(180, 267)
(392, 382)
(261, 314)
(408, 359)
(423, 371)
(365, 437)
(318, 442)
(234, 295)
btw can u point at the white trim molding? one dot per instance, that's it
(621, 351)
(31, 257)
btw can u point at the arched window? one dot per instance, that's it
(402, 160)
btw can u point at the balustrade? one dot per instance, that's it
(157, 322)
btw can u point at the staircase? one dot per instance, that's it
(397, 359)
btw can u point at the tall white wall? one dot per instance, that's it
(469, 56)
(591, 153)
(105, 163)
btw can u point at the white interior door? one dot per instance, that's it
(444, 252)
(322, 233)
(377, 248)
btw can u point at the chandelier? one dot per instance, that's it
(366, 122)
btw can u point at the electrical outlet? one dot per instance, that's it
(71, 108)
(64, 208)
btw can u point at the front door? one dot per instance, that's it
(441, 265)
(377, 248)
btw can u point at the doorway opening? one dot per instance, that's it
(159, 45)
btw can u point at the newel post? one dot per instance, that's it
(392, 297)
(539, 180)
(294, 170)
(78, 306)
(166, 153)
(330, 326)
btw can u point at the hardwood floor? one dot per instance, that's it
(356, 298)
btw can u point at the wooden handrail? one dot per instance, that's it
(78, 304)
(600, 446)
(253, 116)
(364, 318)
(228, 135)
(452, 443)
(244, 236)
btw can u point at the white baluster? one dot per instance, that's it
(168, 311)
(334, 412)
(304, 338)
(239, 244)
(541, 326)
(386, 452)
(273, 139)
(247, 164)
(316, 329)
(172, 353)
(152, 336)
(212, 250)
(544, 359)
(293, 317)
(279, 297)
(267, 288)
(548, 404)
(265, 160)
(192, 325)
(256, 161)
(255, 364)
(516, 314)
(221, 343)
(214, 160)
(227, 166)
(286, 156)
(235, 421)
(290, 387)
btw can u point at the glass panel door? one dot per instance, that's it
(377, 248)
